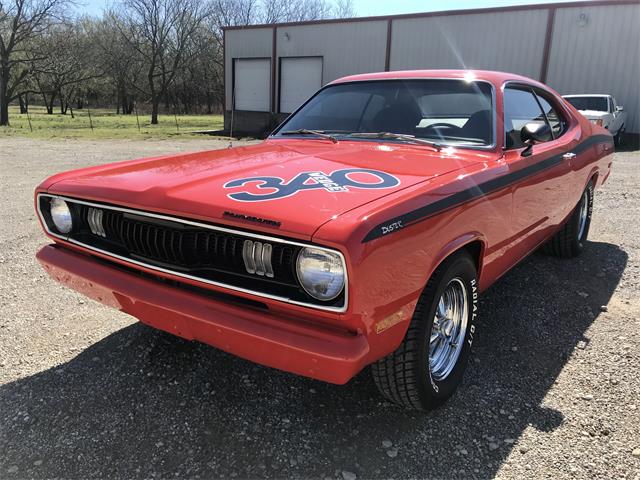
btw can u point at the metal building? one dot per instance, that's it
(580, 47)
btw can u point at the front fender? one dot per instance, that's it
(455, 245)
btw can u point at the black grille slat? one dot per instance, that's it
(163, 243)
(153, 242)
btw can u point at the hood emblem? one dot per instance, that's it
(250, 218)
(272, 188)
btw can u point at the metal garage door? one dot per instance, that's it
(300, 77)
(252, 79)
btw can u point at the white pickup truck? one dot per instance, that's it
(602, 110)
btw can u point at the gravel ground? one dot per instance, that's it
(551, 391)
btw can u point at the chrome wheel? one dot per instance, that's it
(584, 214)
(448, 330)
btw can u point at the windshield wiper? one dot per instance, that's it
(396, 136)
(305, 131)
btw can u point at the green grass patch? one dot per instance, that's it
(106, 124)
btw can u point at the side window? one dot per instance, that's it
(556, 122)
(520, 108)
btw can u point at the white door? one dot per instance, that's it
(300, 78)
(617, 117)
(252, 77)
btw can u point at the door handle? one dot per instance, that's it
(569, 156)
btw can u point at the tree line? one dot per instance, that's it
(153, 53)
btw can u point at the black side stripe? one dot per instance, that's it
(476, 191)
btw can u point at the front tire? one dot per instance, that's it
(429, 363)
(570, 240)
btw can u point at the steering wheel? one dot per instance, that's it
(442, 125)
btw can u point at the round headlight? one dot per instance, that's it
(61, 215)
(320, 273)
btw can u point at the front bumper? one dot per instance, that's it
(257, 335)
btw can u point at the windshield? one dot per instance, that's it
(599, 104)
(452, 112)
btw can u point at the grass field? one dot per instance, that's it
(106, 124)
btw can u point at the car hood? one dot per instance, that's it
(593, 114)
(289, 186)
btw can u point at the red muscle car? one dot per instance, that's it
(361, 232)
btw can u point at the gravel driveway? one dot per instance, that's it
(552, 389)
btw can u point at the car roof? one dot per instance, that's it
(497, 78)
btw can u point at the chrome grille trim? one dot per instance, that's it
(257, 258)
(267, 250)
(247, 256)
(335, 309)
(94, 218)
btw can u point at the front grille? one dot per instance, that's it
(211, 254)
(188, 248)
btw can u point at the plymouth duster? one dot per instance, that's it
(360, 232)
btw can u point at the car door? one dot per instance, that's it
(617, 117)
(542, 174)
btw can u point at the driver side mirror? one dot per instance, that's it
(533, 133)
(619, 108)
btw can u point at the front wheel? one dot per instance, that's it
(430, 362)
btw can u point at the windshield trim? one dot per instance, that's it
(494, 134)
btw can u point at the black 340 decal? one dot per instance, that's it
(337, 181)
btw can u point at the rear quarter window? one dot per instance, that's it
(556, 120)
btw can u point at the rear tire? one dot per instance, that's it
(569, 241)
(618, 138)
(429, 363)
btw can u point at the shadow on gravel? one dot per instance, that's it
(141, 403)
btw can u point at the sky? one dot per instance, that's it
(366, 8)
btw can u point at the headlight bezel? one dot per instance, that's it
(336, 257)
(58, 203)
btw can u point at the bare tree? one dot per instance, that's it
(20, 22)
(65, 63)
(344, 9)
(116, 58)
(200, 82)
(234, 12)
(279, 11)
(160, 32)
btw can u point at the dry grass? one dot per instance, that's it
(106, 125)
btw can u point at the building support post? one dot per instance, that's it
(548, 38)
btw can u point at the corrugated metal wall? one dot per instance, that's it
(249, 43)
(597, 50)
(347, 48)
(599, 56)
(507, 41)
